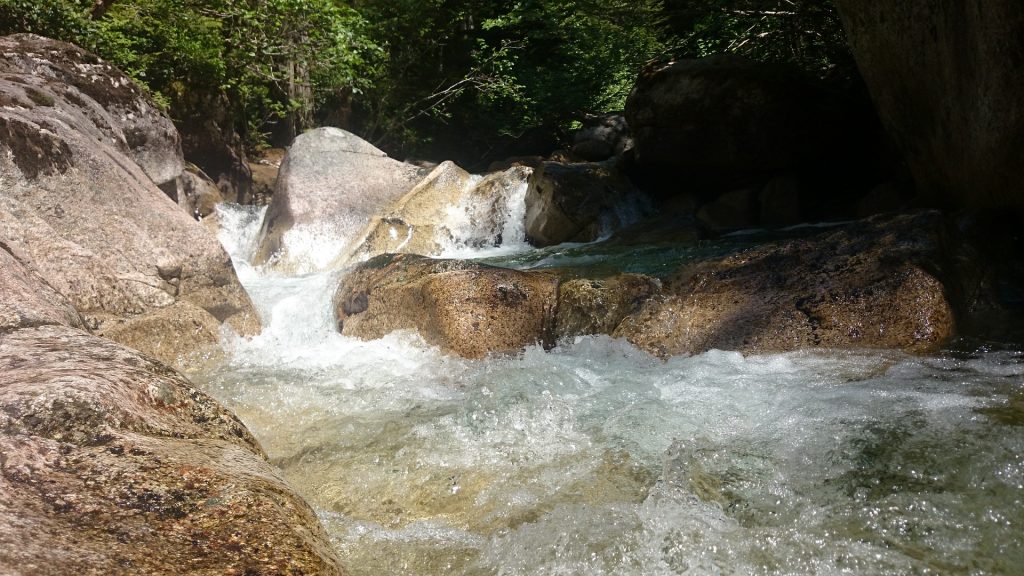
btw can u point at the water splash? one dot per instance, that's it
(596, 458)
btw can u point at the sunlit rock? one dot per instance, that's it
(463, 307)
(113, 463)
(82, 150)
(875, 284)
(449, 209)
(331, 184)
(598, 306)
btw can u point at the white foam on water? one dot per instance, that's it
(596, 458)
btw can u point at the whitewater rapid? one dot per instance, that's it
(596, 458)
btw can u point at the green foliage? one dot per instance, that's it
(61, 19)
(807, 33)
(480, 71)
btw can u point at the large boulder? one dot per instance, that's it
(462, 307)
(874, 284)
(449, 209)
(722, 116)
(331, 184)
(601, 137)
(50, 82)
(112, 463)
(578, 202)
(947, 79)
(81, 152)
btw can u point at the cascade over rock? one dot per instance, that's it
(112, 463)
(874, 284)
(449, 207)
(331, 184)
(947, 79)
(81, 154)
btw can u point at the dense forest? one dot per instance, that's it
(460, 78)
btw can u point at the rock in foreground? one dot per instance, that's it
(82, 150)
(111, 463)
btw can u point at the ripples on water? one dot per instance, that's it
(595, 458)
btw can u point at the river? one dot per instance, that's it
(596, 458)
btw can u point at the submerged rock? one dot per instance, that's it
(81, 151)
(331, 184)
(874, 284)
(463, 307)
(112, 463)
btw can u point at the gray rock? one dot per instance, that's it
(76, 205)
(112, 463)
(331, 184)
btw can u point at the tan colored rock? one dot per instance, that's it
(466, 308)
(868, 285)
(450, 207)
(598, 306)
(79, 156)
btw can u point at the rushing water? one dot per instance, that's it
(595, 458)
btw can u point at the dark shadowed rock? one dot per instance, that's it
(718, 117)
(874, 284)
(601, 137)
(466, 308)
(80, 154)
(947, 79)
(577, 202)
(331, 184)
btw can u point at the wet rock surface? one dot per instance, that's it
(466, 308)
(576, 202)
(82, 154)
(873, 284)
(448, 208)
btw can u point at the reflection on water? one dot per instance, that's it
(595, 458)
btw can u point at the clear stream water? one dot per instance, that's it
(596, 458)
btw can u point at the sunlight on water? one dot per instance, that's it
(595, 458)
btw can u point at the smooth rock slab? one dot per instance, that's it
(331, 184)
(82, 150)
(874, 284)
